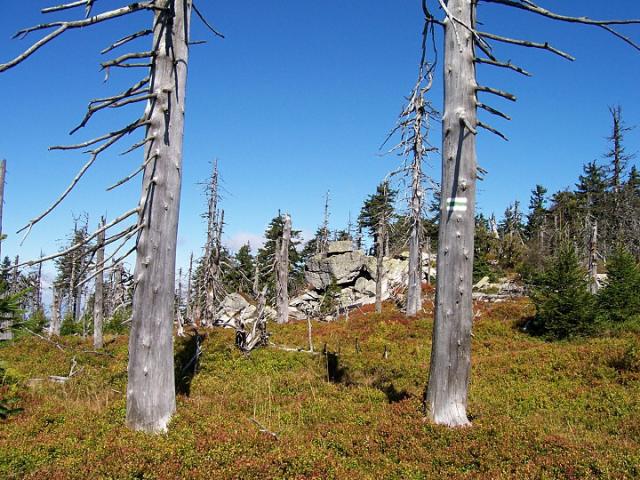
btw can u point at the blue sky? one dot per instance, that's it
(296, 101)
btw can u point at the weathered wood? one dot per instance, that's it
(151, 389)
(98, 302)
(54, 326)
(414, 280)
(282, 271)
(3, 172)
(188, 299)
(446, 397)
(593, 259)
(379, 263)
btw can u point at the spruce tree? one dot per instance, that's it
(564, 306)
(619, 300)
(378, 207)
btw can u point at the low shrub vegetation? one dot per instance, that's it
(539, 409)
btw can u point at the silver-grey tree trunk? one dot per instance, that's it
(3, 173)
(98, 303)
(593, 259)
(379, 264)
(414, 291)
(151, 398)
(446, 398)
(54, 326)
(282, 272)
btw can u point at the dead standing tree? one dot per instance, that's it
(150, 390)
(212, 274)
(414, 127)
(3, 173)
(282, 271)
(446, 397)
(98, 300)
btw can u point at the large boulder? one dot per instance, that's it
(344, 268)
(342, 246)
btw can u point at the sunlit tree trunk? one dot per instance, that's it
(151, 390)
(451, 351)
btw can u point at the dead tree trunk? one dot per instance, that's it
(414, 291)
(593, 259)
(98, 301)
(3, 173)
(282, 271)
(188, 299)
(54, 326)
(38, 295)
(151, 397)
(179, 318)
(450, 365)
(323, 242)
(379, 264)
(429, 268)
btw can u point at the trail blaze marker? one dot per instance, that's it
(457, 204)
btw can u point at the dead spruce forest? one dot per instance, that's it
(421, 339)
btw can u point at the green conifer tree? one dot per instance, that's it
(619, 300)
(564, 306)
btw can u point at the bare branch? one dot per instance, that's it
(118, 133)
(526, 43)
(204, 20)
(495, 91)
(497, 63)
(132, 175)
(76, 179)
(493, 111)
(533, 8)
(102, 103)
(62, 26)
(116, 62)
(78, 245)
(67, 6)
(492, 130)
(126, 40)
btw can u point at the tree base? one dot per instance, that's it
(453, 415)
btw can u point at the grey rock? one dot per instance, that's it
(342, 246)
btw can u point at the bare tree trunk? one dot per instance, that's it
(3, 173)
(179, 319)
(446, 397)
(323, 244)
(151, 399)
(188, 299)
(282, 271)
(98, 301)
(54, 326)
(379, 264)
(414, 292)
(38, 303)
(15, 275)
(429, 268)
(593, 259)
(256, 279)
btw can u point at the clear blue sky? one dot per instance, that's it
(296, 100)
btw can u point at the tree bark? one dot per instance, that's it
(593, 259)
(98, 301)
(3, 172)
(414, 291)
(446, 397)
(151, 390)
(379, 265)
(429, 268)
(54, 326)
(282, 272)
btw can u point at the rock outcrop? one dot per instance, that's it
(353, 273)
